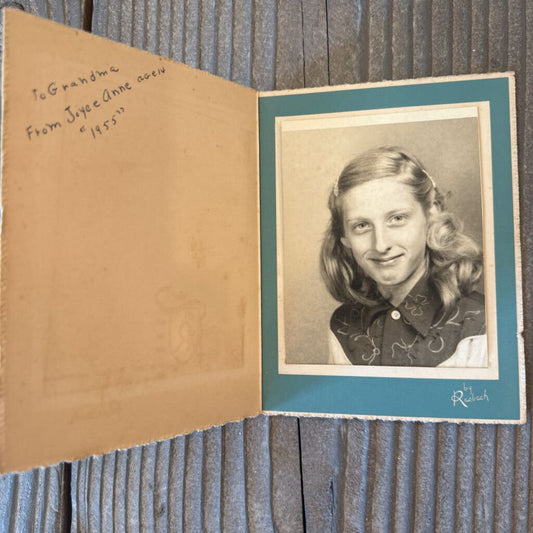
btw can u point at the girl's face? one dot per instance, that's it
(386, 229)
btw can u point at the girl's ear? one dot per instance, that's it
(345, 242)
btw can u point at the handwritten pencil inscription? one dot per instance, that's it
(54, 87)
(96, 115)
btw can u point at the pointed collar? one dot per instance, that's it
(420, 306)
(417, 309)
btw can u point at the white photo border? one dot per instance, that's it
(479, 110)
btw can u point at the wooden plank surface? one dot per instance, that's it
(289, 474)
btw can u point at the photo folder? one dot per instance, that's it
(139, 256)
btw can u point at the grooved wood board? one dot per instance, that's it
(289, 474)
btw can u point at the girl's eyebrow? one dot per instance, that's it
(356, 219)
(398, 210)
(395, 211)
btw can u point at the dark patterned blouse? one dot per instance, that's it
(416, 333)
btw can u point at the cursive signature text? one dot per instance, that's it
(466, 395)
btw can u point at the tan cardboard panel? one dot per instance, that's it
(130, 275)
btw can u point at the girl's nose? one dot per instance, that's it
(381, 241)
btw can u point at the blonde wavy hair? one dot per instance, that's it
(455, 263)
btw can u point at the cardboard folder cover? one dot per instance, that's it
(130, 294)
(130, 274)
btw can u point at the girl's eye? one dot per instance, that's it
(360, 227)
(398, 219)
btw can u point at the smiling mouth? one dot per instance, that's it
(384, 261)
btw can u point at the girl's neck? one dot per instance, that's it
(395, 294)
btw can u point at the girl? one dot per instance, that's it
(404, 272)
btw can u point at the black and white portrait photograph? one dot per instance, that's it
(384, 248)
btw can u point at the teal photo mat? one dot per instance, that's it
(386, 396)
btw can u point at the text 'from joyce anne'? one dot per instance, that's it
(92, 116)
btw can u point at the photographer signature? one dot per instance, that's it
(467, 395)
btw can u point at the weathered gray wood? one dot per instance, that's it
(525, 131)
(497, 35)
(109, 469)
(381, 472)
(100, 25)
(77, 487)
(464, 492)
(141, 489)
(264, 45)
(289, 46)
(516, 62)
(321, 462)
(446, 472)
(505, 477)
(207, 24)
(461, 37)
(356, 475)
(147, 487)
(192, 33)
(529, 502)
(441, 38)
(347, 41)
(94, 477)
(355, 443)
(479, 54)
(421, 38)
(379, 41)
(163, 26)
(138, 23)
(521, 500)
(224, 36)
(30, 501)
(233, 493)
(70, 12)
(118, 482)
(402, 40)
(212, 479)
(286, 481)
(177, 30)
(241, 67)
(132, 490)
(176, 483)
(315, 43)
(258, 474)
(484, 470)
(150, 26)
(192, 483)
(162, 486)
(402, 505)
(425, 477)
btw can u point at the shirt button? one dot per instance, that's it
(395, 315)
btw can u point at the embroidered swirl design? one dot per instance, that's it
(415, 304)
(470, 315)
(436, 337)
(359, 339)
(407, 348)
(451, 321)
